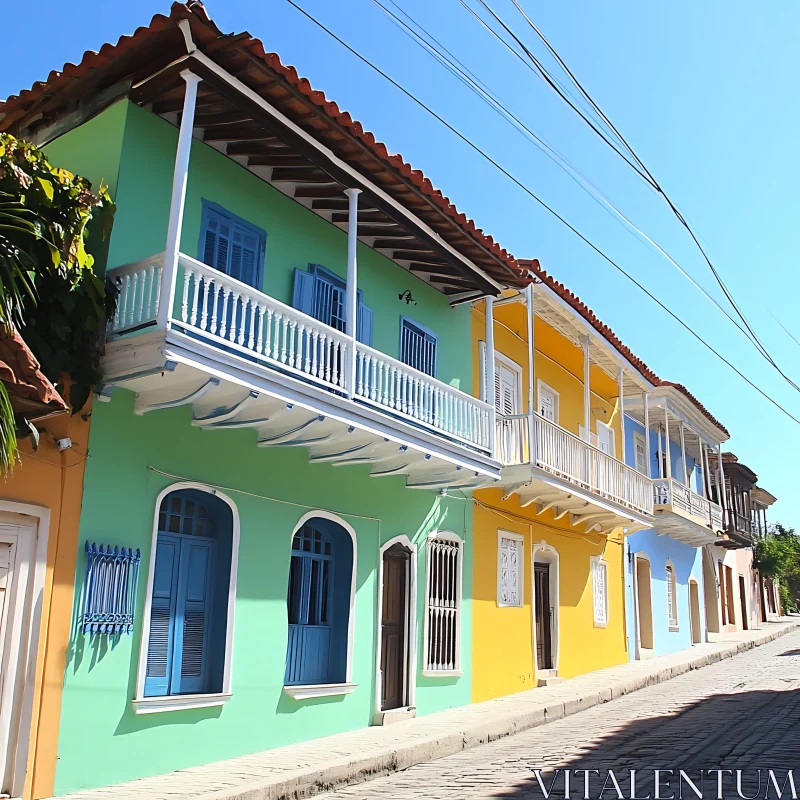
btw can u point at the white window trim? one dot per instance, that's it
(149, 705)
(506, 361)
(669, 568)
(612, 436)
(411, 632)
(309, 690)
(596, 561)
(540, 384)
(639, 437)
(503, 534)
(444, 673)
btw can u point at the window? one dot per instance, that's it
(606, 439)
(322, 294)
(418, 347)
(318, 604)
(510, 559)
(672, 596)
(443, 605)
(231, 245)
(600, 591)
(187, 639)
(640, 453)
(548, 402)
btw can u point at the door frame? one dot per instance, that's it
(695, 617)
(410, 630)
(10, 511)
(545, 553)
(642, 652)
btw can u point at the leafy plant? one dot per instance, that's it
(777, 555)
(48, 288)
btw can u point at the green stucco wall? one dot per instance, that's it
(101, 740)
(296, 237)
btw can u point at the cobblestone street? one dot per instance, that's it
(742, 713)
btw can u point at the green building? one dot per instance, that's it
(286, 430)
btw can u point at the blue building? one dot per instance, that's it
(670, 577)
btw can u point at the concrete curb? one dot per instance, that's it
(347, 759)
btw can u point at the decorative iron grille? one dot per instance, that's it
(109, 589)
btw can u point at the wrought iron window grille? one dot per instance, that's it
(109, 589)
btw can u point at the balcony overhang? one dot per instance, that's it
(682, 528)
(227, 391)
(586, 511)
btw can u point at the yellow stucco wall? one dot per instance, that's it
(503, 655)
(54, 481)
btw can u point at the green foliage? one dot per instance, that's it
(777, 555)
(47, 285)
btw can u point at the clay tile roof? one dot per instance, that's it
(578, 305)
(29, 390)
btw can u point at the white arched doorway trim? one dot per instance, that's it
(411, 617)
(328, 690)
(545, 553)
(149, 705)
(642, 652)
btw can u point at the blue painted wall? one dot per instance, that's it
(659, 549)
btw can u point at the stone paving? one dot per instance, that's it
(753, 685)
(739, 714)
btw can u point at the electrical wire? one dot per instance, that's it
(548, 208)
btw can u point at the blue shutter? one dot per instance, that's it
(162, 616)
(418, 348)
(190, 664)
(364, 326)
(303, 295)
(245, 255)
(215, 239)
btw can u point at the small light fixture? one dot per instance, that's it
(407, 296)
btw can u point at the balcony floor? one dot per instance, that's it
(226, 391)
(683, 528)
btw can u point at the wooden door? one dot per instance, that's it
(694, 607)
(743, 600)
(541, 589)
(394, 625)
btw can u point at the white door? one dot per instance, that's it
(548, 403)
(17, 561)
(507, 402)
(605, 439)
(641, 453)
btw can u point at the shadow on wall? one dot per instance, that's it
(745, 731)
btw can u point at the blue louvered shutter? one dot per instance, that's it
(418, 348)
(190, 666)
(162, 616)
(303, 294)
(216, 238)
(245, 255)
(364, 326)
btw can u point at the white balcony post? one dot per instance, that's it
(660, 453)
(531, 373)
(489, 372)
(703, 492)
(685, 479)
(587, 394)
(668, 459)
(351, 315)
(179, 180)
(622, 415)
(722, 493)
(647, 435)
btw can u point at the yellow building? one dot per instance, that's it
(548, 583)
(40, 503)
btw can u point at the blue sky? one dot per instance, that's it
(705, 92)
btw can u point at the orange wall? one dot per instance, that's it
(53, 480)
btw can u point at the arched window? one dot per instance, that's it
(672, 596)
(318, 604)
(189, 602)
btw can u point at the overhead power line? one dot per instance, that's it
(544, 205)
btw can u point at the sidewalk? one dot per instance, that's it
(306, 768)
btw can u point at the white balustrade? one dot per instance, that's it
(569, 457)
(668, 492)
(386, 382)
(219, 309)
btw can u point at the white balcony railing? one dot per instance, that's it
(667, 492)
(237, 318)
(569, 457)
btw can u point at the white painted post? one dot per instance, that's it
(179, 180)
(351, 315)
(703, 492)
(666, 444)
(587, 394)
(722, 493)
(647, 435)
(489, 372)
(531, 374)
(685, 479)
(706, 473)
(622, 415)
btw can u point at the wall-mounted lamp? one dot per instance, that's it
(407, 296)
